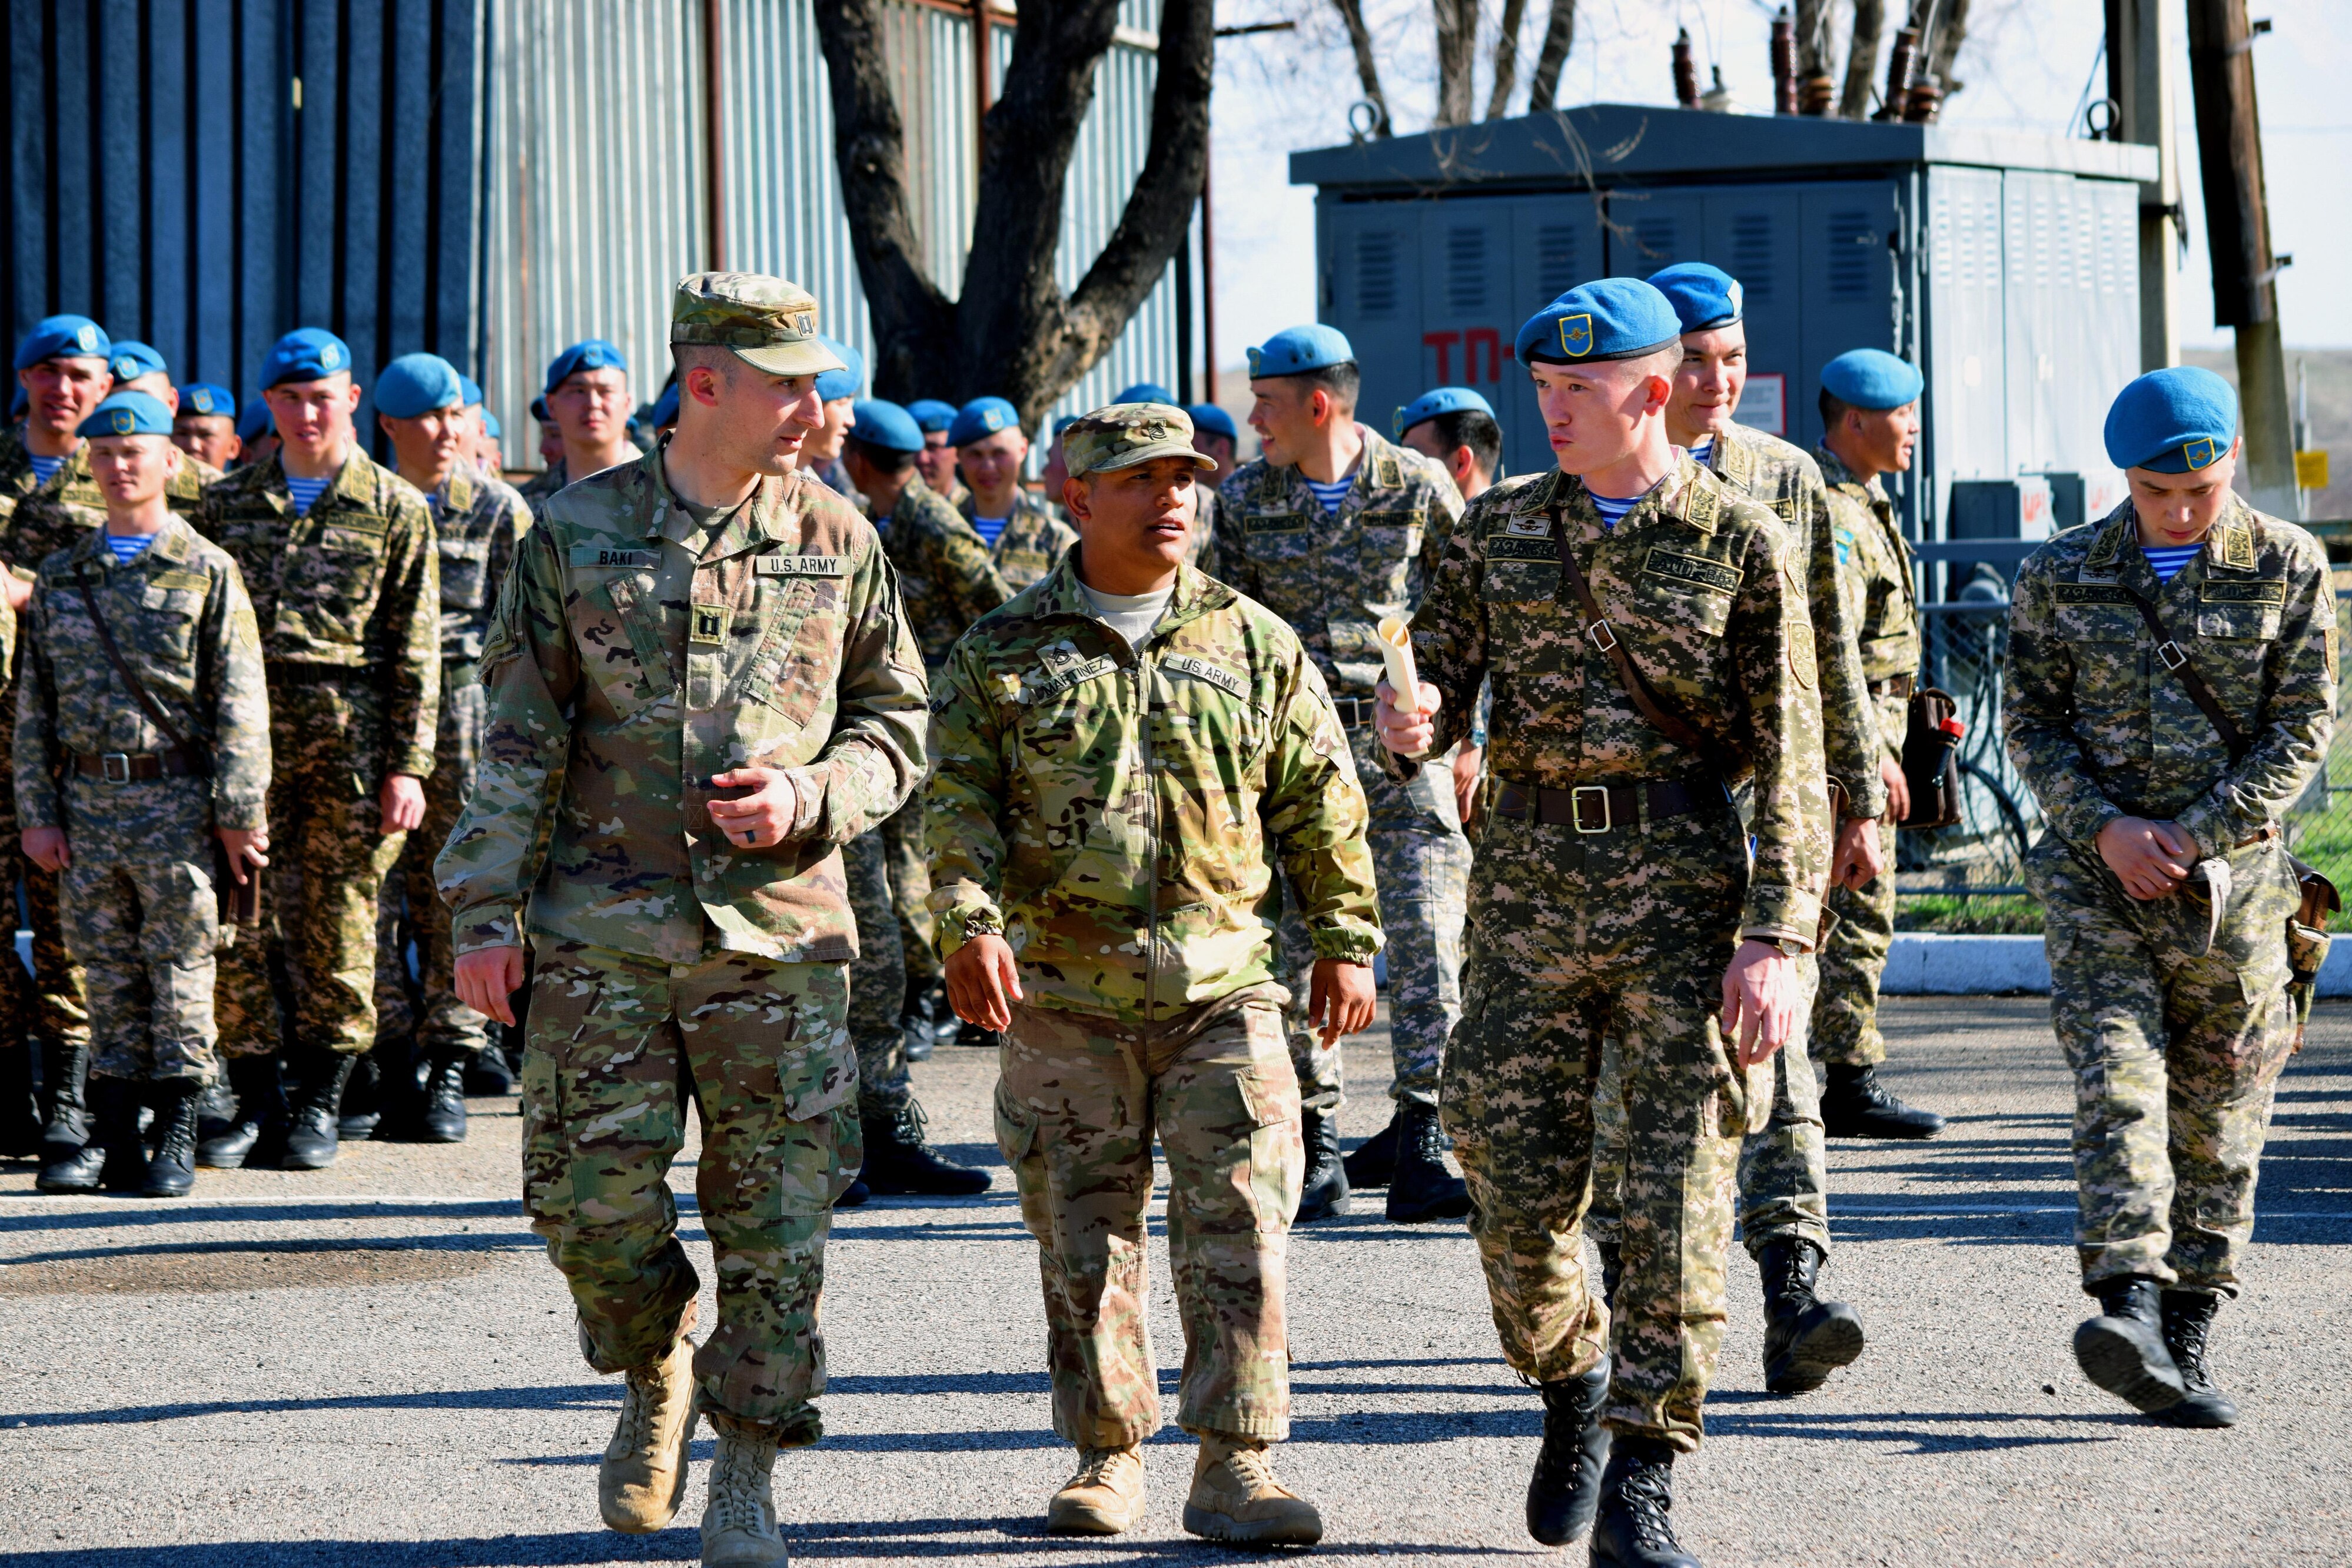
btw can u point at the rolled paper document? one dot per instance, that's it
(1395, 633)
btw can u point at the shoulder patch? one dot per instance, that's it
(1701, 507)
(2238, 549)
(1388, 473)
(1202, 669)
(2221, 590)
(1801, 654)
(1695, 570)
(592, 555)
(801, 566)
(2090, 593)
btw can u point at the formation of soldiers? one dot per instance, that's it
(745, 764)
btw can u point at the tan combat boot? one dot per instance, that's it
(1235, 1498)
(643, 1478)
(1105, 1497)
(739, 1523)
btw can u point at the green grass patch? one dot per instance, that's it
(1992, 914)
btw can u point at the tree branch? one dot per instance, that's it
(1458, 52)
(1368, 69)
(1506, 58)
(1861, 58)
(1559, 34)
(1951, 32)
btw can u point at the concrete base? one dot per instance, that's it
(1927, 963)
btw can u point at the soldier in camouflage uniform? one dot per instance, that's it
(1126, 751)
(1613, 894)
(701, 687)
(937, 461)
(122, 802)
(2165, 762)
(1024, 538)
(553, 475)
(338, 554)
(1326, 530)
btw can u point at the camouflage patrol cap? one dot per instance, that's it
(770, 323)
(1126, 433)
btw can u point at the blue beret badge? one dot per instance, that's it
(2201, 452)
(123, 421)
(1576, 336)
(86, 337)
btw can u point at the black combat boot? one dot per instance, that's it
(260, 1103)
(1637, 1497)
(310, 1133)
(441, 1115)
(20, 1110)
(487, 1074)
(922, 1017)
(2122, 1350)
(1565, 1491)
(372, 1080)
(1805, 1338)
(2188, 1322)
(65, 1080)
(1420, 1188)
(1854, 1104)
(1323, 1192)
(114, 1157)
(1613, 1269)
(855, 1196)
(1375, 1158)
(899, 1162)
(171, 1173)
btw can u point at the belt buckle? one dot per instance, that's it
(2171, 653)
(1601, 637)
(1576, 807)
(106, 761)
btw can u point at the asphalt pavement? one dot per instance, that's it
(374, 1366)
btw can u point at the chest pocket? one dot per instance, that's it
(2240, 609)
(1209, 739)
(616, 623)
(1281, 545)
(332, 582)
(1687, 592)
(1070, 748)
(1387, 544)
(465, 572)
(2102, 627)
(1527, 629)
(796, 659)
(167, 623)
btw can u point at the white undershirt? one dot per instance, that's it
(1131, 615)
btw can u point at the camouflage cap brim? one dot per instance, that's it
(1125, 435)
(808, 357)
(1152, 454)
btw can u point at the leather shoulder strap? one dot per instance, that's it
(137, 689)
(2174, 657)
(1598, 630)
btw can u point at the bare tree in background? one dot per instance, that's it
(1506, 58)
(1011, 331)
(1812, 37)
(1559, 33)
(1861, 58)
(1368, 68)
(1457, 53)
(1951, 24)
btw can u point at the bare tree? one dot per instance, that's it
(1368, 68)
(1861, 58)
(1506, 58)
(1560, 33)
(1457, 48)
(1011, 331)
(1812, 37)
(1951, 24)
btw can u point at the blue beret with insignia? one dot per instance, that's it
(588, 353)
(306, 353)
(413, 385)
(131, 359)
(1208, 419)
(63, 337)
(832, 385)
(1147, 392)
(1703, 296)
(1872, 379)
(931, 414)
(1295, 351)
(127, 414)
(1436, 401)
(2173, 421)
(666, 407)
(490, 425)
(471, 387)
(255, 421)
(204, 397)
(1611, 318)
(885, 426)
(980, 419)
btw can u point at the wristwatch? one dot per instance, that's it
(1790, 946)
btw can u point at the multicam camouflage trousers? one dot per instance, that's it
(1783, 1170)
(878, 980)
(1576, 938)
(619, 1046)
(144, 924)
(1077, 1107)
(409, 909)
(910, 891)
(2176, 1057)
(328, 859)
(1853, 959)
(1421, 862)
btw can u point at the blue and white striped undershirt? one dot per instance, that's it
(1333, 492)
(45, 468)
(1703, 452)
(990, 529)
(2169, 558)
(128, 547)
(1611, 509)
(306, 493)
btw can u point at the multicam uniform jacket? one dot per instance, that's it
(945, 577)
(1703, 587)
(637, 653)
(1033, 539)
(1875, 578)
(1117, 812)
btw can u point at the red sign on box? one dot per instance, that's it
(1764, 405)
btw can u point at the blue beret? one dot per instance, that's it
(127, 414)
(1437, 401)
(832, 385)
(1211, 420)
(931, 415)
(666, 407)
(418, 384)
(131, 359)
(256, 422)
(490, 425)
(885, 425)
(306, 353)
(1611, 318)
(1872, 378)
(204, 397)
(980, 419)
(471, 388)
(1295, 351)
(63, 337)
(1702, 296)
(1147, 392)
(539, 409)
(2172, 421)
(1064, 421)
(588, 353)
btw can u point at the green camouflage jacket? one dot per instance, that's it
(1703, 587)
(1333, 578)
(476, 523)
(2101, 728)
(355, 583)
(1782, 476)
(181, 620)
(637, 653)
(1033, 541)
(1117, 812)
(945, 576)
(1875, 578)
(539, 490)
(48, 517)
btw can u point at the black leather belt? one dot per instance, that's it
(123, 767)
(1600, 807)
(1355, 713)
(1895, 686)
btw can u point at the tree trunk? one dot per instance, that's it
(1951, 32)
(1457, 53)
(1506, 58)
(1861, 58)
(1812, 37)
(1559, 32)
(1368, 69)
(1011, 332)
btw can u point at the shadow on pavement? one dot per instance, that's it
(485, 1552)
(605, 1396)
(1915, 1427)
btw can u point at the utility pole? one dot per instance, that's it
(2238, 235)
(2139, 80)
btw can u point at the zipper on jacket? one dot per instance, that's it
(1151, 832)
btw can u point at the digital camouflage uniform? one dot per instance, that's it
(1033, 539)
(1783, 1170)
(476, 523)
(1875, 575)
(1332, 578)
(1578, 937)
(2176, 1046)
(140, 907)
(638, 652)
(349, 600)
(1118, 814)
(542, 487)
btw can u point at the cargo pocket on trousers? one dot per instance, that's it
(1277, 1158)
(820, 1144)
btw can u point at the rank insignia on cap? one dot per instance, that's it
(1576, 336)
(330, 357)
(123, 420)
(804, 322)
(86, 336)
(2201, 452)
